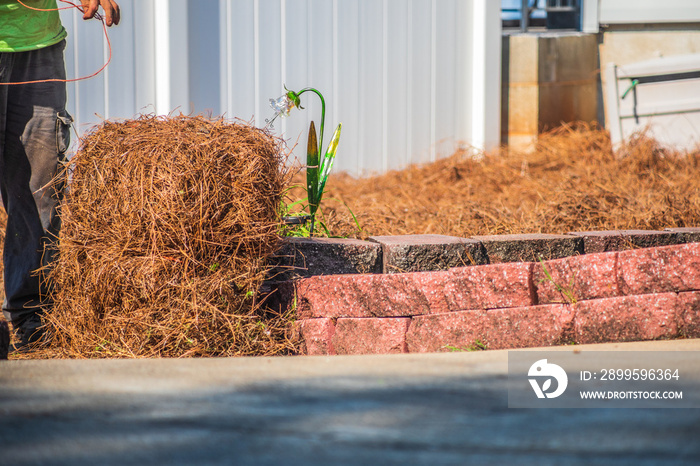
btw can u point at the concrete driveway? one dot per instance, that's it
(400, 409)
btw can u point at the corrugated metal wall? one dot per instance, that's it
(409, 79)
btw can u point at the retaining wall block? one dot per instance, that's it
(473, 330)
(658, 270)
(306, 257)
(622, 240)
(418, 253)
(529, 247)
(530, 327)
(490, 287)
(453, 331)
(316, 336)
(627, 318)
(370, 336)
(576, 278)
(689, 319)
(687, 234)
(393, 295)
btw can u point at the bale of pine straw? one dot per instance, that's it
(167, 227)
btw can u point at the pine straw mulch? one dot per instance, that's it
(571, 182)
(167, 229)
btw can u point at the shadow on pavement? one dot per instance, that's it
(339, 420)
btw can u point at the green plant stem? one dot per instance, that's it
(320, 141)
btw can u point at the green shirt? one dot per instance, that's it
(23, 29)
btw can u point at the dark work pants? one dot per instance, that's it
(34, 135)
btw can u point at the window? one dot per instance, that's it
(547, 14)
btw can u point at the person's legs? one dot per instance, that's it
(35, 134)
(4, 339)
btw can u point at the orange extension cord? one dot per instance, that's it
(104, 27)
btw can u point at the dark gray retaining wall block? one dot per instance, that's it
(529, 247)
(426, 253)
(306, 257)
(686, 235)
(622, 240)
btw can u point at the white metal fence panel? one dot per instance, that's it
(409, 79)
(659, 96)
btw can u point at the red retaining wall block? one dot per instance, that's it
(581, 277)
(446, 332)
(370, 336)
(628, 318)
(490, 287)
(316, 336)
(521, 327)
(392, 295)
(658, 270)
(689, 310)
(529, 327)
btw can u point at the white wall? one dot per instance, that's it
(410, 80)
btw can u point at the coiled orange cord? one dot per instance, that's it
(104, 27)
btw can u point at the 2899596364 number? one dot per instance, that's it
(639, 374)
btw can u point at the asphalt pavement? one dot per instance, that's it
(447, 408)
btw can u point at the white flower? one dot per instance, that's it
(282, 106)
